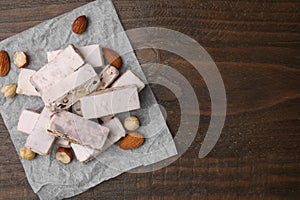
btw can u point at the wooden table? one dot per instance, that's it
(255, 47)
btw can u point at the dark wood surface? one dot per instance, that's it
(255, 45)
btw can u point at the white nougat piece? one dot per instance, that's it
(27, 121)
(40, 141)
(76, 108)
(129, 78)
(110, 101)
(62, 143)
(91, 54)
(68, 91)
(65, 63)
(116, 132)
(24, 85)
(107, 76)
(78, 130)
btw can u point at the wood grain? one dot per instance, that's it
(256, 48)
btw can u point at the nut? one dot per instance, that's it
(79, 25)
(4, 63)
(131, 123)
(20, 59)
(112, 58)
(26, 153)
(63, 155)
(131, 141)
(9, 90)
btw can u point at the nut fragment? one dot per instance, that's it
(131, 141)
(26, 153)
(79, 25)
(9, 90)
(112, 58)
(20, 59)
(4, 63)
(63, 155)
(131, 123)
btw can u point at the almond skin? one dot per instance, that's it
(131, 141)
(80, 24)
(4, 63)
(112, 58)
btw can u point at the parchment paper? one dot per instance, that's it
(47, 177)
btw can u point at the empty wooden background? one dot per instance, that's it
(255, 45)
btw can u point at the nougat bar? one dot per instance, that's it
(110, 101)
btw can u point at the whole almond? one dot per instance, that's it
(79, 25)
(112, 58)
(4, 63)
(131, 141)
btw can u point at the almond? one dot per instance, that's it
(112, 58)
(20, 59)
(131, 141)
(4, 63)
(79, 25)
(63, 155)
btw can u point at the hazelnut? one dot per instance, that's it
(20, 59)
(9, 90)
(26, 153)
(131, 123)
(63, 155)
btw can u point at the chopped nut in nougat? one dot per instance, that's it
(107, 76)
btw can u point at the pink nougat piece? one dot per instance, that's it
(129, 78)
(68, 91)
(92, 54)
(110, 101)
(27, 122)
(62, 143)
(78, 130)
(40, 141)
(65, 63)
(116, 131)
(107, 76)
(24, 85)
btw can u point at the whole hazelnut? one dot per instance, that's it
(26, 153)
(9, 90)
(63, 155)
(131, 123)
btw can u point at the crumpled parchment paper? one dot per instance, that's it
(47, 177)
